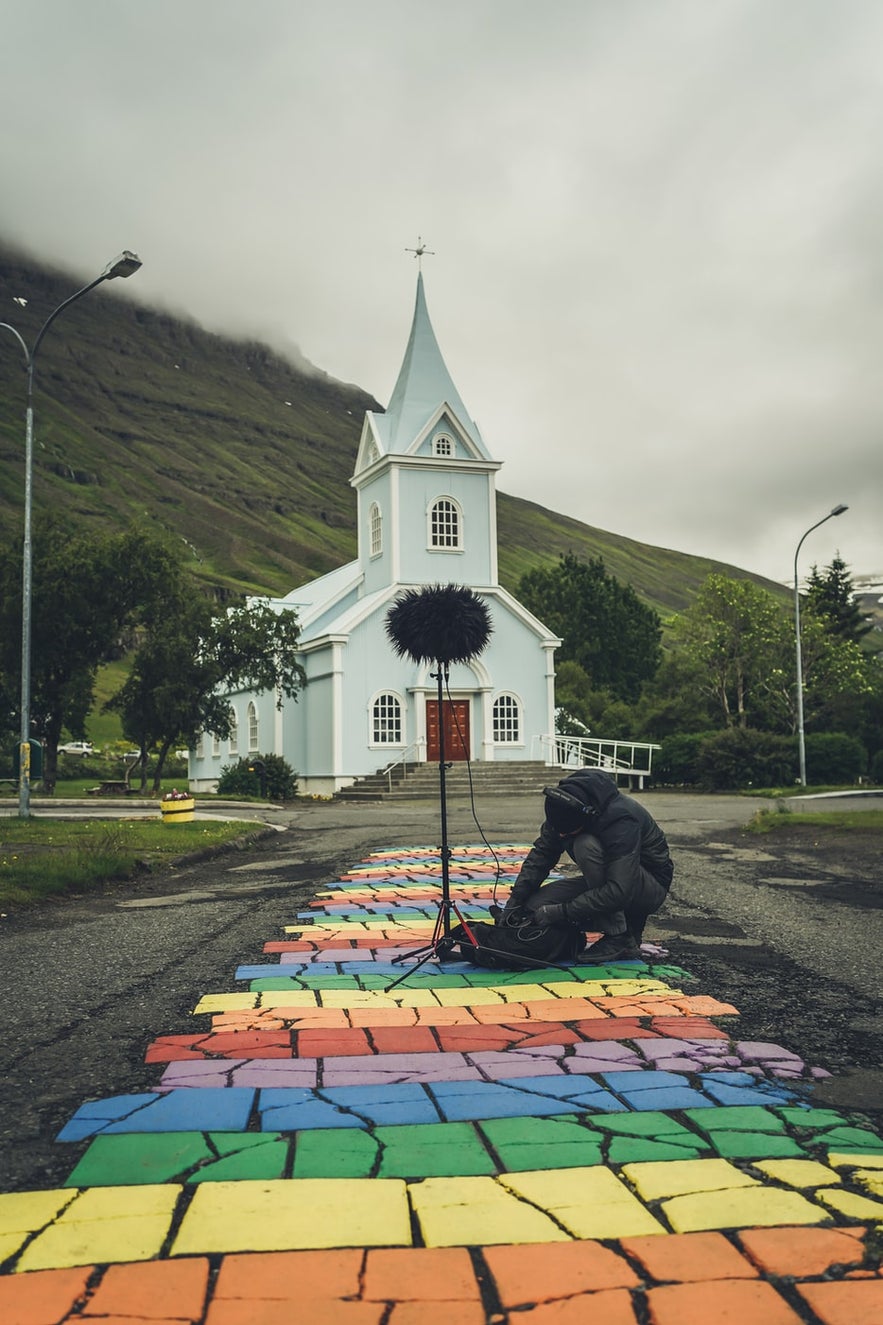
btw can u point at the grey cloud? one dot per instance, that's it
(657, 226)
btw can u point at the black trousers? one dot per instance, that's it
(586, 851)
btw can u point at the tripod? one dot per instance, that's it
(442, 943)
(441, 624)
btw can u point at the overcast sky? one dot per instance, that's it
(657, 226)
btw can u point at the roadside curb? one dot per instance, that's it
(141, 803)
(209, 853)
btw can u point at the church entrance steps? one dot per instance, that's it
(421, 781)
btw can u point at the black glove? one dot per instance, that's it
(554, 913)
(511, 911)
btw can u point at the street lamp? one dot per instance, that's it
(125, 265)
(838, 510)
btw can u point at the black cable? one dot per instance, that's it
(463, 746)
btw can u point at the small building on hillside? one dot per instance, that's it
(426, 506)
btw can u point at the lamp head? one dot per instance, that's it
(838, 510)
(125, 265)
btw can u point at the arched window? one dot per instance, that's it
(216, 747)
(443, 445)
(375, 529)
(373, 453)
(445, 524)
(200, 746)
(234, 731)
(507, 720)
(386, 720)
(252, 728)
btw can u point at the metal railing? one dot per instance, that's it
(629, 757)
(411, 755)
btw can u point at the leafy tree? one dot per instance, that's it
(572, 706)
(617, 721)
(741, 645)
(733, 635)
(603, 625)
(674, 702)
(837, 678)
(192, 655)
(85, 588)
(583, 711)
(831, 595)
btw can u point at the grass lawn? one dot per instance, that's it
(41, 858)
(858, 821)
(78, 788)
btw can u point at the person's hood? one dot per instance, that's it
(591, 785)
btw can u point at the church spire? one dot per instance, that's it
(423, 384)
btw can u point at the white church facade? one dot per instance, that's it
(426, 510)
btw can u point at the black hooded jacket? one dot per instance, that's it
(631, 839)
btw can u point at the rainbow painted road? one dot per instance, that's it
(581, 1144)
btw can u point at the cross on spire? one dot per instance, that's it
(419, 251)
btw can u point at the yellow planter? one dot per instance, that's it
(179, 811)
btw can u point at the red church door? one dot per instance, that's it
(456, 720)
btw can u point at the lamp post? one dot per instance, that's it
(838, 510)
(125, 265)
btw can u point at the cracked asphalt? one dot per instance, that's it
(786, 927)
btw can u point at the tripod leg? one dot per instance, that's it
(437, 931)
(464, 923)
(428, 954)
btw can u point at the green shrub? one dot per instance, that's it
(741, 757)
(677, 764)
(95, 766)
(243, 779)
(834, 757)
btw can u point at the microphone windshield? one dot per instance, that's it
(440, 623)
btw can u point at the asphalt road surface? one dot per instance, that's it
(787, 928)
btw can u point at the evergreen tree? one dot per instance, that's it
(831, 595)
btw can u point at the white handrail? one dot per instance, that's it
(615, 756)
(414, 748)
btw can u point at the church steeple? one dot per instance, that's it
(424, 384)
(424, 478)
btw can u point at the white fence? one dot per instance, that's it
(631, 759)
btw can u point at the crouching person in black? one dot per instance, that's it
(623, 857)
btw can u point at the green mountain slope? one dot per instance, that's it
(238, 452)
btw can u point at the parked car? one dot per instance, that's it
(76, 748)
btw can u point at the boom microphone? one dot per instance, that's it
(442, 623)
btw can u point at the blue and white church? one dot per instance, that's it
(426, 507)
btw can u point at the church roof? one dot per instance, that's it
(424, 384)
